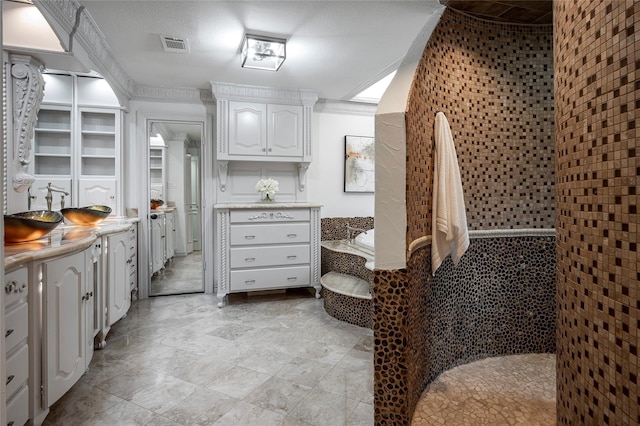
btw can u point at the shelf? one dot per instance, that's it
(98, 122)
(48, 130)
(54, 119)
(49, 165)
(49, 155)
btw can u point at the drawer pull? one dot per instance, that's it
(292, 279)
(292, 257)
(23, 287)
(249, 259)
(10, 423)
(10, 378)
(250, 281)
(8, 332)
(11, 287)
(249, 237)
(292, 235)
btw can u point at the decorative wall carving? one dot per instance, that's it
(27, 90)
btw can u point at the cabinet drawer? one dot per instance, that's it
(268, 278)
(15, 286)
(17, 369)
(269, 234)
(260, 216)
(18, 408)
(16, 329)
(255, 257)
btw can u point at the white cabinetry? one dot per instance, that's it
(157, 241)
(157, 167)
(118, 274)
(170, 234)
(267, 248)
(67, 307)
(76, 147)
(265, 130)
(133, 259)
(16, 346)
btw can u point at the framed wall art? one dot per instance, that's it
(359, 165)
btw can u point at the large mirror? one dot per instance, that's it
(175, 198)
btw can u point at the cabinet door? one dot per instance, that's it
(64, 311)
(247, 128)
(284, 137)
(170, 229)
(157, 242)
(102, 192)
(118, 276)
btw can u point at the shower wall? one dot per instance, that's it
(598, 169)
(495, 84)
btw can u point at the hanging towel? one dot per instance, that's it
(449, 228)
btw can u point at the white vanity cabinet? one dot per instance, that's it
(67, 309)
(133, 259)
(16, 346)
(118, 274)
(157, 241)
(265, 130)
(267, 248)
(170, 234)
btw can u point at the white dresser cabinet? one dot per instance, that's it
(170, 234)
(16, 346)
(260, 248)
(157, 241)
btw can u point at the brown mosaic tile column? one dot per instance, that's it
(597, 92)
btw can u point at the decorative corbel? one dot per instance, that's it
(302, 175)
(28, 90)
(223, 168)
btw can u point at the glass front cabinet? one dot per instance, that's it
(77, 144)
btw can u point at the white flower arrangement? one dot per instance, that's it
(268, 187)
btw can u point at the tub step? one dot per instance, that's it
(346, 284)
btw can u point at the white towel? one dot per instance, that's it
(449, 229)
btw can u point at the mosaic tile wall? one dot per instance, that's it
(495, 83)
(598, 168)
(335, 228)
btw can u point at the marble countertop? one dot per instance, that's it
(62, 240)
(262, 205)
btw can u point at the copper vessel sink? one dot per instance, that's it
(86, 216)
(155, 203)
(29, 226)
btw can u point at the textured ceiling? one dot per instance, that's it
(508, 11)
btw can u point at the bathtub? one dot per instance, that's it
(365, 240)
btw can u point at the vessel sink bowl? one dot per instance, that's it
(86, 216)
(29, 226)
(155, 203)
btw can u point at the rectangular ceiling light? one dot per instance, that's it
(263, 53)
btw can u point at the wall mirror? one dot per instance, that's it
(175, 231)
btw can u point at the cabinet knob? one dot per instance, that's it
(10, 378)
(269, 150)
(23, 287)
(292, 279)
(249, 237)
(292, 257)
(8, 332)
(264, 149)
(250, 259)
(250, 281)
(292, 235)
(11, 287)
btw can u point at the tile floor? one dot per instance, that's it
(509, 390)
(182, 274)
(262, 360)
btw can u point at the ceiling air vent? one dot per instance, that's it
(174, 44)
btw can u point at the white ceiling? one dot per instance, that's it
(335, 47)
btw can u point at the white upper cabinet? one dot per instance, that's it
(77, 143)
(263, 123)
(263, 130)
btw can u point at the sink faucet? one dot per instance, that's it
(29, 198)
(49, 196)
(350, 230)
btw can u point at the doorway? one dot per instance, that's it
(175, 227)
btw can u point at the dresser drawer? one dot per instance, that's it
(269, 234)
(18, 408)
(259, 216)
(17, 369)
(255, 257)
(15, 286)
(268, 278)
(16, 329)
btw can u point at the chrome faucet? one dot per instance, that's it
(29, 198)
(49, 196)
(351, 229)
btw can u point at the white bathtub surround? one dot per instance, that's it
(346, 284)
(450, 234)
(357, 248)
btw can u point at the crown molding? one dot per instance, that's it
(344, 107)
(69, 19)
(143, 92)
(225, 91)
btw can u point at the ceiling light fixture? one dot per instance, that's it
(263, 53)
